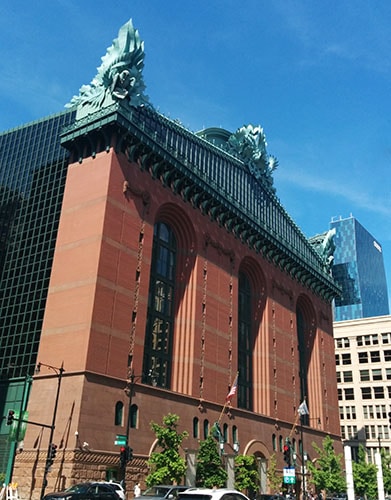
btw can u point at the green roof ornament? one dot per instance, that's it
(324, 244)
(248, 143)
(119, 77)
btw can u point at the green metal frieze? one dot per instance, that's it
(216, 183)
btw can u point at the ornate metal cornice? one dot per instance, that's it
(211, 180)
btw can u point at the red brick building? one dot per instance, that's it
(175, 267)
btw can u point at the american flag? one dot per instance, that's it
(233, 390)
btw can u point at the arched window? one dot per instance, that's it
(245, 342)
(206, 428)
(119, 413)
(225, 433)
(133, 417)
(160, 317)
(196, 425)
(274, 442)
(235, 437)
(280, 443)
(303, 361)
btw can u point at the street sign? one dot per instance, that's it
(120, 440)
(289, 475)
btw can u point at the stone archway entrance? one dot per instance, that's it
(262, 455)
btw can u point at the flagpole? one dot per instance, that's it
(302, 457)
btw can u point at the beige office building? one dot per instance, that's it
(363, 359)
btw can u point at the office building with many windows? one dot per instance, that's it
(149, 270)
(363, 358)
(358, 268)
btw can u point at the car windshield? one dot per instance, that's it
(78, 488)
(195, 496)
(156, 491)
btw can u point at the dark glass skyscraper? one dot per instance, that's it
(33, 169)
(359, 270)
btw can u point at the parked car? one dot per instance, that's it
(211, 494)
(270, 497)
(85, 491)
(117, 487)
(163, 491)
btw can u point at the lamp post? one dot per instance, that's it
(59, 372)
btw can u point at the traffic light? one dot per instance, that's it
(122, 456)
(287, 453)
(389, 418)
(129, 454)
(10, 417)
(52, 455)
(125, 455)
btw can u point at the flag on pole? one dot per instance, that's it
(303, 408)
(233, 390)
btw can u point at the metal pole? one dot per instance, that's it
(302, 457)
(59, 372)
(130, 395)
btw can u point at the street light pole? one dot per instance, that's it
(59, 372)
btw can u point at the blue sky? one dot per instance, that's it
(315, 75)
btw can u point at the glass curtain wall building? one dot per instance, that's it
(359, 270)
(33, 169)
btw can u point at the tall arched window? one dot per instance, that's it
(245, 342)
(133, 416)
(303, 361)
(196, 425)
(160, 318)
(206, 428)
(119, 413)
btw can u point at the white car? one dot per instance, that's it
(212, 494)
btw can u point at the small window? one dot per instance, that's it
(119, 413)
(376, 374)
(349, 394)
(346, 359)
(364, 375)
(375, 356)
(196, 427)
(387, 355)
(206, 429)
(134, 416)
(366, 392)
(379, 392)
(359, 340)
(348, 376)
(363, 357)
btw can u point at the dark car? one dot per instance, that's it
(270, 497)
(85, 491)
(163, 491)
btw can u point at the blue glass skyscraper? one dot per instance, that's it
(359, 270)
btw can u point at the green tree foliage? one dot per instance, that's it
(386, 466)
(246, 474)
(167, 465)
(210, 471)
(364, 476)
(327, 473)
(274, 479)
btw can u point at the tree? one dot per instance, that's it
(246, 474)
(210, 471)
(274, 479)
(364, 476)
(167, 466)
(386, 466)
(327, 473)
